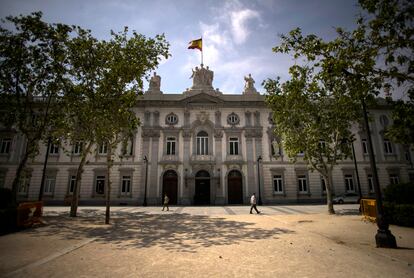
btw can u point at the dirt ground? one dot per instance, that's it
(183, 245)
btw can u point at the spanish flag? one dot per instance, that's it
(196, 44)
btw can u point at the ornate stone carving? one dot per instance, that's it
(249, 85)
(218, 133)
(202, 77)
(155, 84)
(203, 117)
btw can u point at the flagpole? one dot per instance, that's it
(202, 49)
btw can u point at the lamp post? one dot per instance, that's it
(383, 238)
(356, 171)
(258, 179)
(146, 178)
(42, 183)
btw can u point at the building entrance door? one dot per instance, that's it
(170, 186)
(235, 188)
(202, 188)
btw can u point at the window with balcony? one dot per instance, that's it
(234, 145)
(202, 143)
(171, 143)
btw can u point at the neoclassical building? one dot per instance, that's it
(202, 147)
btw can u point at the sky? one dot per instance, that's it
(238, 36)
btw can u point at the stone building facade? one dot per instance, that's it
(202, 147)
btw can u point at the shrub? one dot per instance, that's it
(6, 198)
(399, 214)
(402, 193)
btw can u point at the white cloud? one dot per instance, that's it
(240, 30)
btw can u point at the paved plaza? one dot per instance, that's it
(282, 241)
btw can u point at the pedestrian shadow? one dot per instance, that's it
(178, 232)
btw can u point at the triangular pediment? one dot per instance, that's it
(202, 98)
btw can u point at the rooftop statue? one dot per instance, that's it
(155, 83)
(249, 85)
(202, 77)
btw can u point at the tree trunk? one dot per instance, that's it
(329, 193)
(22, 164)
(76, 190)
(108, 187)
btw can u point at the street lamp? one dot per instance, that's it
(383, 238)
(146, 178)
(258, 179)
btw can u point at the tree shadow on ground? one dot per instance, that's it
(347, 212)
(178, 232)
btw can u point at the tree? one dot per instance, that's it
(337, 75)
(32, 76)
(107, 77)
(402, 129)
(310, 118)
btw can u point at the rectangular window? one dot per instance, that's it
(54, 149)
(370, 184)
(126, 185)
(323, 184)
(349, 183)
(202, 145)
(100, 185)
(394, 179)
(170, 145)
(278, 183)
(303, 184)
(72, 180)
(387, 146)
(234, 145)
(364, 146)
(24, 183)
(301, 153)
(77, 148)
(49, 186)
(103, 148)
(5, 145)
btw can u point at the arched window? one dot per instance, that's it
(202, 143)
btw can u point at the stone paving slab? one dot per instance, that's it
(145, 243)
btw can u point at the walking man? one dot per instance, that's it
(253, 204)
(166, 200)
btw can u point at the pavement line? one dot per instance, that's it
(281, 210)
(295, 210)
(51, 257)
(229, 211)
